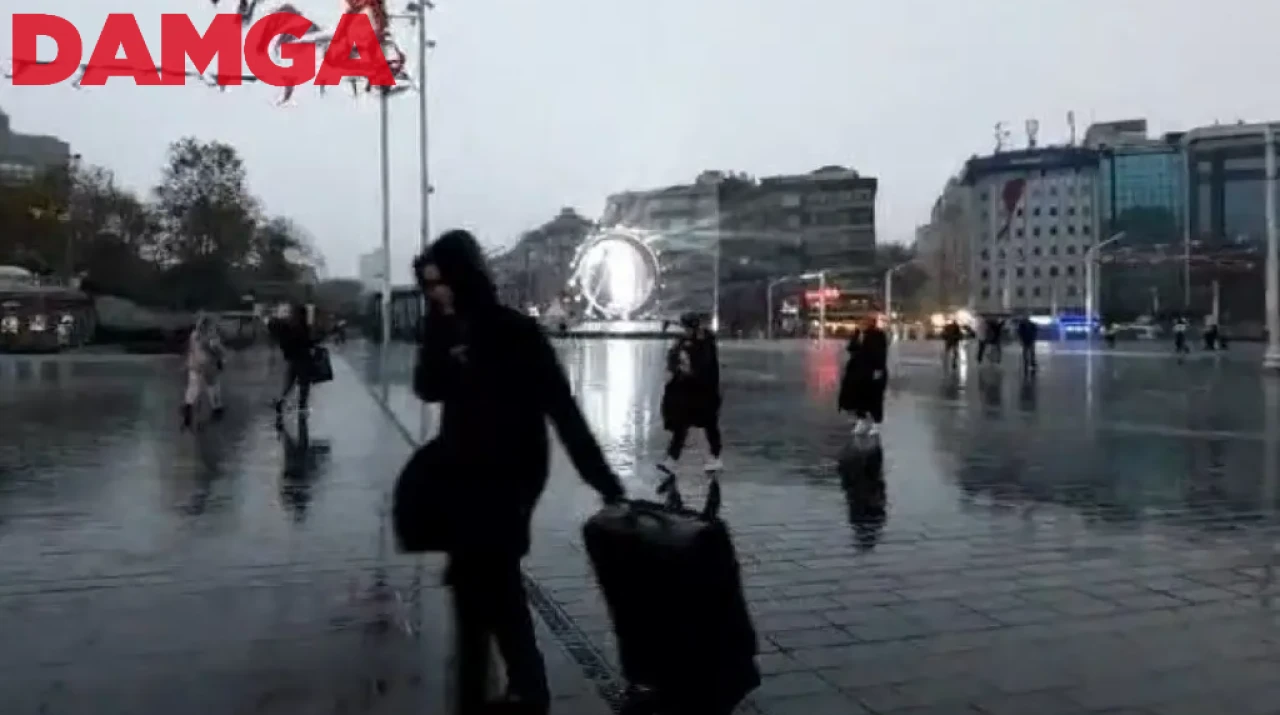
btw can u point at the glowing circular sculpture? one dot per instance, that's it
(616, 274)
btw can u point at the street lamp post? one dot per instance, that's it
(1271, 360)
(822, 300)
(888, 292)
(1090, 259)
(384, 152)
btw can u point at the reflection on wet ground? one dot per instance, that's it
(1099, 538)
(240, 569)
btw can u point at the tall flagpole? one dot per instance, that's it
(424, 170)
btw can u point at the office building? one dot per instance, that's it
(943, 249)
(1033, 218)
(1142, 185)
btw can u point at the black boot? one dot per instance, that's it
(186, 417)
(218, 413)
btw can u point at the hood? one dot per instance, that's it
(461, 262)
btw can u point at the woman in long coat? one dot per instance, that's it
(692, 395)
(865, 378)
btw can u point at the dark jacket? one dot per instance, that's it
(499, 380)
(295, 339)
(868, 359)
(691, 397)
(1027, 332)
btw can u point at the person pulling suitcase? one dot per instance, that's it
(471, 492)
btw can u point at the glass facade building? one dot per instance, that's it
(1143, 178)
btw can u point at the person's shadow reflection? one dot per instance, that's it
(304, 461)
(1027, 394)
(861, 468)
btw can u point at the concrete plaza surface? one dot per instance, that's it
(239, 570)
(1097, 540)
(1100, 539)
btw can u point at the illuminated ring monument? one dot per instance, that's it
(617, 274)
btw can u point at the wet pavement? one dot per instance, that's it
(241, 570)
(1098, 540)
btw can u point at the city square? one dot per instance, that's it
(1098, 539)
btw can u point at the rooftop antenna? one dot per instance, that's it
(1071, 122)
(1002, 135)
(1033, 130)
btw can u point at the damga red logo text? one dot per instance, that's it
(354, 50)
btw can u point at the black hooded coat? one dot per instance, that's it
(499, 380)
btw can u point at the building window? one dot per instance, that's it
(1071, 270)
(1071, 290)
(1053, 210)
(984, 197)
(1053, 271)
(1035, 231)
(1035, 211)
(1001, 254)
(1035, 272)
(1021, 291)
(1071, 211)
(1000, 274)
(1071, 250)
(1053, 191)
(1053, 250)
(1086, 230)
(1053, 230)
(1019, 272)
(986, 255)
(1036, 291)
(986, 274)
(1018, 233)
(1035, 251)
(1019, 211)
(1021, 254)
(1071, 230)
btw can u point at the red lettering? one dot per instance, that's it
(28, 71)
(356, 51)
(121, 33)
(300, 55)
(180, 39)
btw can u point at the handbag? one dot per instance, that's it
(321, 367)
(421, 505)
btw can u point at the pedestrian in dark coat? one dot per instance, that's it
(499, 380)
(865, 377)
(297, 341)
(691, 397)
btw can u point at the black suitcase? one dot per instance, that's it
(671, 580)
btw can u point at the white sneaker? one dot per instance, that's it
(861, 427)
(873, 429)
(714, 465)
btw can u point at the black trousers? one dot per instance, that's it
(1028, 355)
(296, 374)
(868, 400)
(680, 435)
(490, 604)
(993, 346)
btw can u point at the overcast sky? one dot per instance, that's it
(538, 104)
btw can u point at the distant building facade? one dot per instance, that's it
(535, 271)
(371, 269)
(944, 249)
(25, 156)
(1139, 173)
(722, 239)
(1033, 217)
